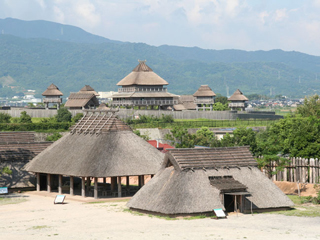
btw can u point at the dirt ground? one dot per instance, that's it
(39, 218)
(292, 188)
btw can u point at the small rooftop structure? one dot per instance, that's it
(237, 100)
(86, 98)
(52, 95)
(204, 97)
(193, 181)
(185, 102)
(99, 145)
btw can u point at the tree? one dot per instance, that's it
(221, 99)
(180, 138)
(63, 115)
(5, 118)
(203, 137)
(77, 117)
(218, 106)
(54, 137)
(310, 107)
(5, 170)
(24, 118)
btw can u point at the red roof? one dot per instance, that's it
(161, 146)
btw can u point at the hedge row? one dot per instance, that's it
(38, 127)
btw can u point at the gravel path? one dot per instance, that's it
(39, 218)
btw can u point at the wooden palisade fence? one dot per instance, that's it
(297, 170)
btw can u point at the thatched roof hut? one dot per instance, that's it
(88, 89)
(204, 91)
(52, 90)
(99, 146)
(238, 96)
(199, 180)
(185, 102)
(142, 75)
(82, 101)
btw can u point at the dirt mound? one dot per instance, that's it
(292, 188)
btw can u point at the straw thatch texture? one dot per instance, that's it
(109, 154)
(52, 90)
(176, 190)
(16, 137)
(186, 102)
(204, 91)
(238, 96)
(144, 94)
(80, 100)
(88, 89)
(142, 75)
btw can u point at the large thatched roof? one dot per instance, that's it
(98, 146)
(204, 91)
(176, 189)
(52, 90)
(142, 75)
(238, 96)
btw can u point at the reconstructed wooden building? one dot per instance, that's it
(237, 100)
(204, 98)
(98, 146)
(52, 95)
(199, 180)
(144, 88)
(86, 98)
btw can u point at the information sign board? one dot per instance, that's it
(59, 199)
(3, 190)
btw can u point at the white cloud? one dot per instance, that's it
(263, 15)
(88, 12)
(280, 14)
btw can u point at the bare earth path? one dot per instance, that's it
(39, 218)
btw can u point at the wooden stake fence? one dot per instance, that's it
(299, 169)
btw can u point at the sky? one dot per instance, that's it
(290, 25)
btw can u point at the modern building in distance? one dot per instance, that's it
(204, 98)
(52, 95)
(144, 88)
(238, 100)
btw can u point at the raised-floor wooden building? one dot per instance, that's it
(144, 88)
(52, 95)
(204, 98)
(237, 100)
(98, 146)
(86, 98)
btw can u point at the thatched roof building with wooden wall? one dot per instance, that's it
(199, 180)
(237, 100)
(52, 96)
(86, 98)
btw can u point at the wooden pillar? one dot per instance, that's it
(38, 182)
(113, 183)
(119, 186)
(60, 184)
(128, 182)
(104, 180)
(95, 191)
(88, 183)
(141, 181)
(83, 187)
(48, 182)
(71, 186)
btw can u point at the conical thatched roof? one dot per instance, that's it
(98, 146)
(142, 75)
(103, 106)
(191, 181)
(52, 90)
(88, 89)
(204, 91)
(238, 96)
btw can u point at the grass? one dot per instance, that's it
(38, 227)
(302, 208)
(5, 201)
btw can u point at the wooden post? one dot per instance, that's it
(71, 186)
(119, 186)
(88, 183)
(38, 182)
(95, 195)
(139, 182)
(128, 182)
(104, 180)
(113, 183)
(294, 169)
(60, 184)
(48, 182)
(83, 187)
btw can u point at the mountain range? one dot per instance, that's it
(34, 54)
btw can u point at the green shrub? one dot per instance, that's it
(63, 115)
(77, 117)
(4, 118)
(54, 137)
(24, 118)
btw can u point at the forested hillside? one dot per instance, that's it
(34, 63)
